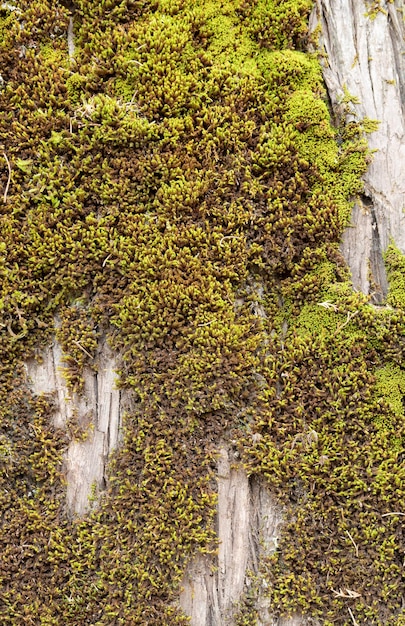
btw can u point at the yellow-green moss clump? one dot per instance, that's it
(395, 262)
(177, 178)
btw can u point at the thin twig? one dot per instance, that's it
(346, 593)
(71, 40)
(79, 345)
(206, 323)
(350, 316)
(352, 540)
(229, 237)
(352, 616)
(9, 178)
(395, 513)
(106, 259)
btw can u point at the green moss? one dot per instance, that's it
(322, 433)
(277, 24)
(7, 21)
(395, 262)
(183, 192)
(390, 387)
(374, 7)
(78, 338)
(229, 43)
(369, 125)
(75, 86)
(290, 70)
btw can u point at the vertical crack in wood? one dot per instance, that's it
(396, 13)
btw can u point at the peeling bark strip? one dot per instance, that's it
(98, 412)
(365, 57)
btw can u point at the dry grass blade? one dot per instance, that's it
(346, 593)
(352, 540)
(79, 345)
(352, 616)
(394, 513)
(9, 178)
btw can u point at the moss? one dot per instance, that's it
(395, 262)
(374, 7)
(8, 20)
(321, 433)
(180, 189)
(290, 70)
(276, 24)
(390, 393)
(229, 43)
(369, 125)
(77, 336)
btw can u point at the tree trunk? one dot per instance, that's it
(202, 313)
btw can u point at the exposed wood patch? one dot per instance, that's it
(365, 57)
(248, 524)
(98, 411)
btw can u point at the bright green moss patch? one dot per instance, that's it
(229, 43)
(178, 189)
(395, 262)
(290, 70)
(390, 388)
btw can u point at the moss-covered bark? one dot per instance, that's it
(179, 187)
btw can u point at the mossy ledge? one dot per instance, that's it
(180, 174)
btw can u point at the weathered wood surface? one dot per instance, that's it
(97, 412)
(248, 523)
(365, 57)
